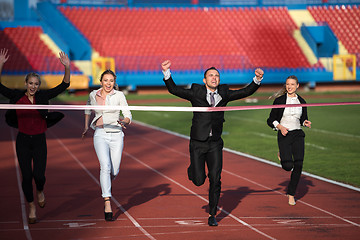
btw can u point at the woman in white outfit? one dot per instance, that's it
(108, 136)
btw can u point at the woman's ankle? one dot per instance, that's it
(40, 195)
(107, 202)
(32, 210)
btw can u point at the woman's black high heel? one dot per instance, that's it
(108, 215)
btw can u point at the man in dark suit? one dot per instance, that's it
(206, 143)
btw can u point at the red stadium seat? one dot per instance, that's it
(212, 35)
(28, 52)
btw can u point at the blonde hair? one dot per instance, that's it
(33, 74)
(282, 91)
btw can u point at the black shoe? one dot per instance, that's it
(108, 216)
(32, 220)
(212, 221)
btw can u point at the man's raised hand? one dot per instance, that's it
(166, 65)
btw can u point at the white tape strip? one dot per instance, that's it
(165, 108)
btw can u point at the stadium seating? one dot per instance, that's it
(345, 23)
(29, 53)
(228, 38)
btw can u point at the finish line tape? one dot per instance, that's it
(167, 109)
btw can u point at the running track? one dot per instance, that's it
(152, 198)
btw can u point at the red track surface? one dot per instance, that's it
(153, 199)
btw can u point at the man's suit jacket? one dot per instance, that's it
(203, 122)
(277, 113)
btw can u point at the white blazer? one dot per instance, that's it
(110, 117)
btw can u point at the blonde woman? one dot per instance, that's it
(291, 138)
(31, 148)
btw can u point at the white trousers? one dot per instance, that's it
(108, 148)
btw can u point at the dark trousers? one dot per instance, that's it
(31, 152)
(291, 149)
(209, 152)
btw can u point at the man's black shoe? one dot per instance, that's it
(212, 221)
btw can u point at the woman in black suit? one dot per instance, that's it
(288, 122)
(31, 149)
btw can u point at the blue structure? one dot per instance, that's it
(79, 47)
(321, 40)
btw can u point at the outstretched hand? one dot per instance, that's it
(259, 73)
(3, 56)
(166, 65)
(64, 59)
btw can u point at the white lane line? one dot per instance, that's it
(304, 173)
(308, 204)
(276, 224)
(254, 158)
(312, 129)
(315, 146)
(22, 199)
(274, 137)
(248, 217)
(197, 195)
(261, 185)
(335, 133)
(136, 224)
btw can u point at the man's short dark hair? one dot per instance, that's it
(212, 68)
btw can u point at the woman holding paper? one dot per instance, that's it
(108, 137)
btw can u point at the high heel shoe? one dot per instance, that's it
(108, 215)
(32, 220)
(42, 204)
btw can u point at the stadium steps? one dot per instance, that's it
(345, 23)
(30, 52)
(49, 43)
(303, 17)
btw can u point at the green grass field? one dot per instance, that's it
(332, 144)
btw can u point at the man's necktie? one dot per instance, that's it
(212, 99)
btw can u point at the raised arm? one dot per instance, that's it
(7, 92)
(166, 65)
(170, 84)
(249, 89)
(3, 58)
(259, 73)
(64, 59)
(53, 92)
